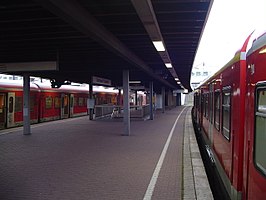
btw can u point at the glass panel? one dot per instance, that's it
(48, 102)
(11, 103)
(32, 103)
(217, 110)
(2, 103)
(80, 101)
(226, 114)
(211, 106)
(18, 104)
(260, 143)
(57, 102)
(262, 101)
(75, 101)
(71, 101)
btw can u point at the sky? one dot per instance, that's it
(229, 24)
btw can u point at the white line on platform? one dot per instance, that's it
(150, 189)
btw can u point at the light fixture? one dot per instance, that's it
(168, 65)
(178, 82)
(262, 51)
(177, 79)
(158, 45)
(134, 82)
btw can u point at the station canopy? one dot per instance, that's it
(101, 38)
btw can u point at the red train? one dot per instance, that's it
(47, 103)
(230, 111)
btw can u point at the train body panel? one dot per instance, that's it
(235, 124)
(46, 103)
(254, 185)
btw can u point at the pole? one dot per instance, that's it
(26, 104)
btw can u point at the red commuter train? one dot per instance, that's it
(47, 103)
(230, 112)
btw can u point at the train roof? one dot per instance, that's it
(18, 84)
(46, 86)
(237, 57)
(257, 43)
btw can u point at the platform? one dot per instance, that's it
(82, 159)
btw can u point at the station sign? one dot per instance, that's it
(178, 91)
(101, 81)
(29, 66)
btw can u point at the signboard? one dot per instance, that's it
(90, 103)
(178, 91)
(133, 88)
(185, 91)
(29, 66)
(101, 81)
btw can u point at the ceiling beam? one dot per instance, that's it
(147, 15)
(76, 15)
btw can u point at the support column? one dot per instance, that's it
(136, 99)
(126, 107)
(91, 97)
(151, 103)
(163, 99)
(26, 104)
(119, 101)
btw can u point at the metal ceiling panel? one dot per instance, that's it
(102, 37)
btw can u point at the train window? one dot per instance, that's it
(32, 103)
(260, 131)
(81, 100)
(217, 110)
(75, 101)
(11, 103)
(226, 112)
(48, 102)
(57, 102)
(71, 101)
(18, 104)
(206, 106)
(2, 103)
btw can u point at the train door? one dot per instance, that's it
(210, 130)
(10, 109)
(71, 105)
(2, 110)
(64, 106)
(256, 169)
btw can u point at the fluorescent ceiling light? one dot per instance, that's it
(177, 79)
(168, 65)
(134, 82)
(178, 82)
(158, 45)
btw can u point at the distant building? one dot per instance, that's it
(199, 74)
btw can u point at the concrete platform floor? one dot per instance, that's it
(78, 159)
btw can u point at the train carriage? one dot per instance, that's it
(46, 103)
(11, 107)
(230, 110)
(254, 184)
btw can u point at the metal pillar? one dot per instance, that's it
(151, 103)
(163, 99)
(126, 107)
(119, 101)
(26, 104)
(91, 96)
(136, 99)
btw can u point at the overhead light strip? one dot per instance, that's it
(159, 45)
(168, 65)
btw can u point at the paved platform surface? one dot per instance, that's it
(78, 159)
